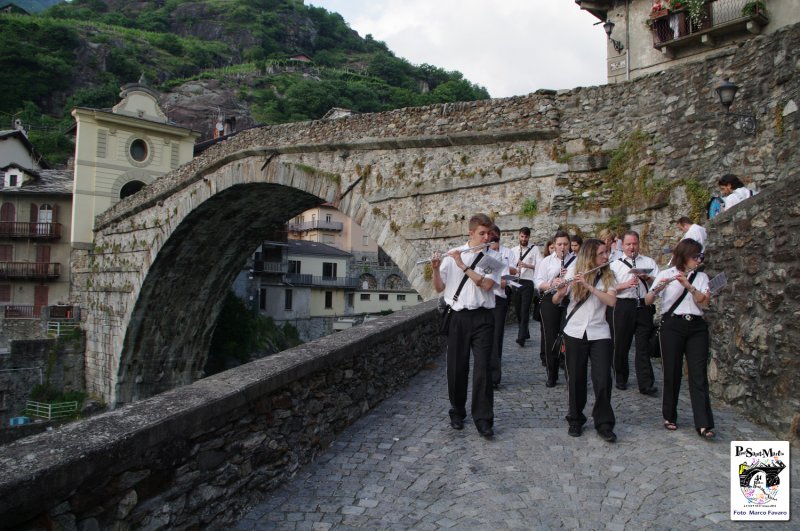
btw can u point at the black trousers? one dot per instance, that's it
(499, 313)
(632, 318)
(680, 338)
(523, 297)
(552, 315)
(470, 330)
(579, 352)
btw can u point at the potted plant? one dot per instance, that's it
(752, 9)
(696, 12)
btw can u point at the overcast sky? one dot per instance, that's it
(510, 47)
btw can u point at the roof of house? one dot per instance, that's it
(16, 133)
(308, 248)
(43, 182)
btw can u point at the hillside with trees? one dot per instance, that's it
(256, 61)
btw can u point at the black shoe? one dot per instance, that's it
(520, 342)
(484, 428)
(574, 431)
(650, 391)
(457, 423)
(607, 435)
(621, 386)
(551, 382)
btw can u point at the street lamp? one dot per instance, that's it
(608, 26)
(726, 93)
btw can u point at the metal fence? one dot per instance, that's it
(57, 410)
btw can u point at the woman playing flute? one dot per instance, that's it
(684, 332)
(587, 336)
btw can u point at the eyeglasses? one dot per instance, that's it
(699, 257)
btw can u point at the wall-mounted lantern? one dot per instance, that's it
(609, 27)
(726, 93)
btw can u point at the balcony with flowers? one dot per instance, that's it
(682, 23)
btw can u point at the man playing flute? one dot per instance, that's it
(468, 290)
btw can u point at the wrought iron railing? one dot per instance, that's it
(678, 24)
(260, 266)
(29, 270)
(316, 225)
(314, 280)
(20, 229)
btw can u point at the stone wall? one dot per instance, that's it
(197, 456)
(32, 362)
(755, 330)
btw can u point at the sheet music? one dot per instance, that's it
(511, 280)
(490, 263)
(717, 283)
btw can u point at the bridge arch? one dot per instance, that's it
(153, 285)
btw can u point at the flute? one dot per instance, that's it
(569, 281)
(481, 247)
(663, 284)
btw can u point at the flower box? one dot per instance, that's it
(659, 13)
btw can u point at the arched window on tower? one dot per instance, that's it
(130, 188)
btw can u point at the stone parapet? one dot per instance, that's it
(197, 456)
(755, 331)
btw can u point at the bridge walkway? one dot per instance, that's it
(401, 466)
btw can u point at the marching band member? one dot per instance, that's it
(471, 325)
(549, 274)
(587, 336)
(684, 332)
(506, 257)
(525, 259)
(631, 317)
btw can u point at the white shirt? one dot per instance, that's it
(615, 254)
(736, 197)
(698, 234)
(622, 273)
(471, 297)
(673, 290)
(505, 255)
(532, 258)
(548, 269)
(590, 317)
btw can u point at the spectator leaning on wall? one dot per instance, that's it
(733, 190)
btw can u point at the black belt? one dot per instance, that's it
(687, 316)
(473, 310)
(639, 301)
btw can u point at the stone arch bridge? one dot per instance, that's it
(152, 286)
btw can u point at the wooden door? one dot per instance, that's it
(39, 299)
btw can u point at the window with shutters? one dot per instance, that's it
(5, 293)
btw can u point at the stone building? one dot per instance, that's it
(647, 37)
(382, 285)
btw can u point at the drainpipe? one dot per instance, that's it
(627, 41)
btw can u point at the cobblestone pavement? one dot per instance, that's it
(402, 467)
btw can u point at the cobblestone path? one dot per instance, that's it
(402, 467)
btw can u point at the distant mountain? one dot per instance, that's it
(34, 6)
(249, 61)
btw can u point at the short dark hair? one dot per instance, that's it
(685, 249)
(684, 220)
(577, 239)
(525, 230)
(495, 234)
(730, 179)
(561, 234)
